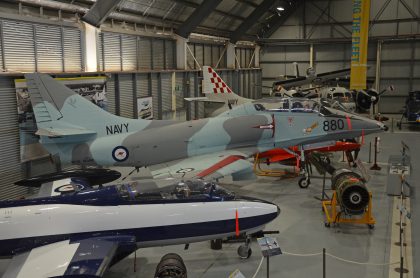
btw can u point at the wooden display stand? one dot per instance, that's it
(333, 213)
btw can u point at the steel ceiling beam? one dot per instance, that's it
(251, 20)
(200, 13)
(220, 12)
(278, 21)
(99, 11)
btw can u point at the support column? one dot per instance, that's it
(230, 56)
(257, 56)
(377, 74)
(181, 53)
(311, 55)
(378, 66)
(90, 34)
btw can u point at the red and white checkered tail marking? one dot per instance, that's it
(212, 83)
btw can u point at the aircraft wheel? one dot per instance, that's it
(171, 266)
(371, 226)
(244, 251)
(304, 182)
(326, 224)
(399, 125)
(216, 244)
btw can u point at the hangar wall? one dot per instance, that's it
(325, 26)
(137, 65)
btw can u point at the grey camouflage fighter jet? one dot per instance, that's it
(84, 134)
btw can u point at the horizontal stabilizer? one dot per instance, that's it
(203, 99)
(63, 132)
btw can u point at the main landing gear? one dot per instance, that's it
(171, 266)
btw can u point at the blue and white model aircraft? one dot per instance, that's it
(81, 231)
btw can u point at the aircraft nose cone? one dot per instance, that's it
(382, 126)
(252, 199)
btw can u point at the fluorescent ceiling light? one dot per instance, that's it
(280, 8)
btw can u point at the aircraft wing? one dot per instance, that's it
(68, 181)
(89, 257)
(318, 79)
(209, 166)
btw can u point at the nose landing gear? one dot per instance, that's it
(244, 250)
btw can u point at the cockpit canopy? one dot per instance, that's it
(302, 105)
(339, 93)
(335, 104)
(190, 191)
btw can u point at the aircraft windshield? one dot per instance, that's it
(343, 96)
(183, 191)
(289, 105)
(333, 104)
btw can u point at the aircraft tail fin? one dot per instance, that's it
(61, 113)
(216, 89)
(40, 90)
(213, 84)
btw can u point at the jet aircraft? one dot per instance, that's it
(80, 231)
(220, 100)
(79, 132)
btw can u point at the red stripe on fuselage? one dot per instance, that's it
(228, 160)
(348, 122)
(237, 223)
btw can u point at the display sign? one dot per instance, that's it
(236, 274)
(359, 44)
(269, 246)
(92, 88)
(145, 108)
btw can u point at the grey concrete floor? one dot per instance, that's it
(302, 230)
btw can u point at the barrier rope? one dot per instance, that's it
(301, 255)
(258, 268)
(338, 258)
(359, 263)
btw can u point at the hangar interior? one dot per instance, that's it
(157, 49)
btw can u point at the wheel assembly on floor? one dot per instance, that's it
(171, 265)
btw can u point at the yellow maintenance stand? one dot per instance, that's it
(351, 201)
(334, 214)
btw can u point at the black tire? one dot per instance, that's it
(304, 182)
(216, 244)
(371, 226)
(171, 265)
(327, 225)
(244, 252)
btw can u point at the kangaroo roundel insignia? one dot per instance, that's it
(65, 188)
(120, 154)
